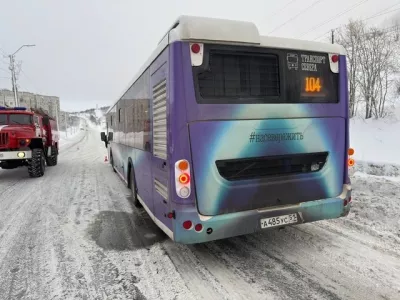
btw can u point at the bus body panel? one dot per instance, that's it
(159, 81)
(230, 158)
(223, 132)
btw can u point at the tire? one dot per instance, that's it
(52, 160)
(132, 183)
(37, 165)
(112, 162)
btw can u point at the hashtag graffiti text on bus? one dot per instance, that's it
(275, 137)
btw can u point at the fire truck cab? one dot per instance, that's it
(28, 138)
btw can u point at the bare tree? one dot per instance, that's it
(350, 37)
(371, 62)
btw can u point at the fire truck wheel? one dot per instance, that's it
(53, 158)
(37, 165)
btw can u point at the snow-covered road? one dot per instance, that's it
(72, 234)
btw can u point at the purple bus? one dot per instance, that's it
(224, 132)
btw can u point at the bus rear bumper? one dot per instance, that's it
(247, 222)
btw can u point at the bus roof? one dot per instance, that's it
(202, 29)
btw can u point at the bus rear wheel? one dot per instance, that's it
(112, 162)
(134, 197)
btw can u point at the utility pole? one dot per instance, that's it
(333, 36)
(13, 80)
(13, 77)
(66, 126)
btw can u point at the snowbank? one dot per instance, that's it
(70, 133)
(375, 141)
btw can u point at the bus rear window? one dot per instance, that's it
(240, 75)
(231, 74)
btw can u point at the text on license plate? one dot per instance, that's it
(279, 221)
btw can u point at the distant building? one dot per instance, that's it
(50, 104)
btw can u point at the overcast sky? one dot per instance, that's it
(87, 51)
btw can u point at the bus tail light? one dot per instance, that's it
(350, 160)
(198, 227)
(182, 178)
(333, 62)
(187, 225)
(196, 54)
(195, 48)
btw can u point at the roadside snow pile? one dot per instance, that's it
(376, 207)
(71, 132)
(375, 140)
(376, 144)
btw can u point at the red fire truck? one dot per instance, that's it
(28, 138)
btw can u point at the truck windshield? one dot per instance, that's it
(3, 119)
(20, 119)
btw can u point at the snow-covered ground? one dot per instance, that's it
(376, 140)
(377, 145)
(72, 234)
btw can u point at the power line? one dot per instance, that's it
(382, 14)
(30, 80)
(334, 17)
(378, 14)
(278, 11)
(294, 17)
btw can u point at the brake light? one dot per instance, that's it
(182, 178)
(350, 160)
(187, 225)
(198, 227)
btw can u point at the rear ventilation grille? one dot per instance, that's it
(271, 166)
(160, 119)
(3, 139)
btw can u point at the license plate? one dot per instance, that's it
(279, 221)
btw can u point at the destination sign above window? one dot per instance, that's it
(310, 77)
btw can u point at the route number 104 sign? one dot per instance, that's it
(312, 85)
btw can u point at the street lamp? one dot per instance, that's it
(12, 68)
